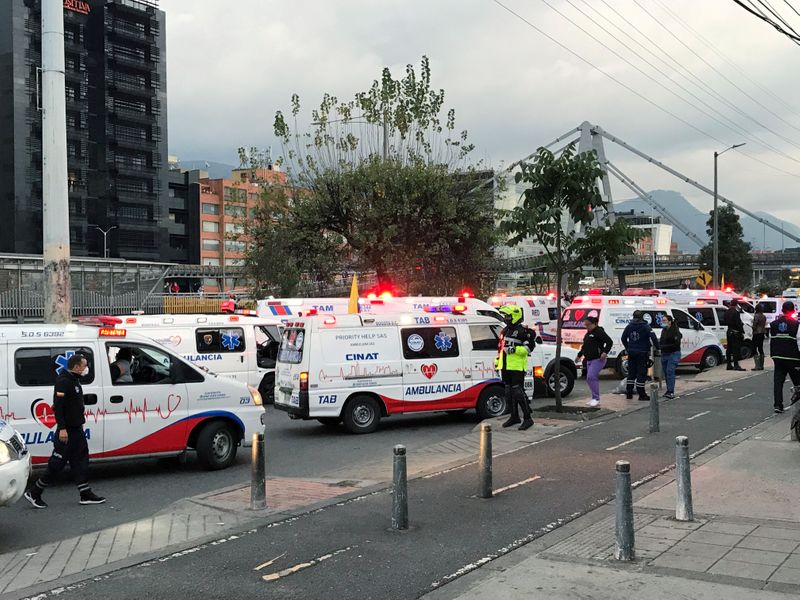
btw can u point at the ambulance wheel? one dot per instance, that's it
(746, 351)
(567, 381)
(492, 403)
(361, 414)
(216, 446)
(329, 421)
(622, 365)
(267, 388)
(712, 358)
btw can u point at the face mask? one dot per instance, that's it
(85, 372)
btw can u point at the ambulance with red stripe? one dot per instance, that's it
(540, 313)
(360, 368)
(699, 347)
(241, 345)
(372, 304)
(151, 405)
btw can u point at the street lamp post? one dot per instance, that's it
(105, 233)
(653, 244)
(715, 273)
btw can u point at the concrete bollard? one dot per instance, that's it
(624, 546)
(485, 462)
(258, 474)
(400, 492)
(683, 479)
(655, 422)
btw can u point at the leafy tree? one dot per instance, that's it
(735, 261)
(560, 209)
(384, 181)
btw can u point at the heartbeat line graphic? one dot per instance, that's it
(358, 372)
(486, 370)
(133, 411)
(9, 416)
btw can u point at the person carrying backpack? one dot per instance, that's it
(670, 353)
(638, 339)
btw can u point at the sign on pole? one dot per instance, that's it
(704, 279)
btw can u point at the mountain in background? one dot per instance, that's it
(215, 170)
(694, 219)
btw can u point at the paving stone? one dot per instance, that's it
(709, 537)
(102, 548)
(732, 528)
(30, 574)
(786, 575)
(778, 534)
(80, 555)
(664, 533)
(122, 542)
(54, 567)
(735, 568)
(793, 562)
(691, 556)
(674, 524)
(759, 543)
(758, 557)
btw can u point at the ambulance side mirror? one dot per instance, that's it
(173, 372)
(539, 339)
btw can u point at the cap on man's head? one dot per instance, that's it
(788, 307)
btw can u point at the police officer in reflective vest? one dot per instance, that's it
(784, 347)
(516, 343)
(69, 443)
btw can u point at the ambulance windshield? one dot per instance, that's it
(291, 351)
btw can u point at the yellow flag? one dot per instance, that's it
(352, 306)
(722, 283)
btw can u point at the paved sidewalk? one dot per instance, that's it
(744, 543)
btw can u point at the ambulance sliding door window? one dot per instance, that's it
(41, 366)
(552, 313)
(683, 320)
(267, 346)
(484, 337)
(220, 340)
(429, 342)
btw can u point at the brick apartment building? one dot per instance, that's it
(224, 206)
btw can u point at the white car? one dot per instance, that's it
(15, 464)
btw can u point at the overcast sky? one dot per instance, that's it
(232, 64)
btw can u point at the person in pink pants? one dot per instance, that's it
(595, 349)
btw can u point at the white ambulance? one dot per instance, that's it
(242, 346)
(283, 308)
(685, 297)
(539, 312)
(360, 368)
(15, 464)
(162, 405)
(712, 317)
(699, 348)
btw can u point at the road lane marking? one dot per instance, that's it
(693, 417)
(636, 439)
(515, 485)
(305, 565)
(748, 395)
(269, 562)
(712, 397)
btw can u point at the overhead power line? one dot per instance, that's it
(688, 76)
(711, 46)
(759, 14)
(631, 89)
(732, 125)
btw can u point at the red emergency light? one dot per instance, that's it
(596, 292)
(330, 321)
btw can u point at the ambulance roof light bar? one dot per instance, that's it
(100, 321)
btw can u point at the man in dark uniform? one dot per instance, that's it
(784, 347)
(69, 442)
(516, 343)
(735, 336)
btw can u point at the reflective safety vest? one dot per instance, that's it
(516, 343)
(783, 343)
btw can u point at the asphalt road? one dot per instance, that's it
(349, 551)
(138, 489)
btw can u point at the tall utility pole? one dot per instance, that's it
(55, 219)
(105, 233)
(715, 273)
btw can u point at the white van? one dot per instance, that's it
(685, 297)
(699, 348)
(712, 318)
(239, 346)
(540, 313)
(15, 464)
(360, 368)
(284, 308)
(167, 407)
